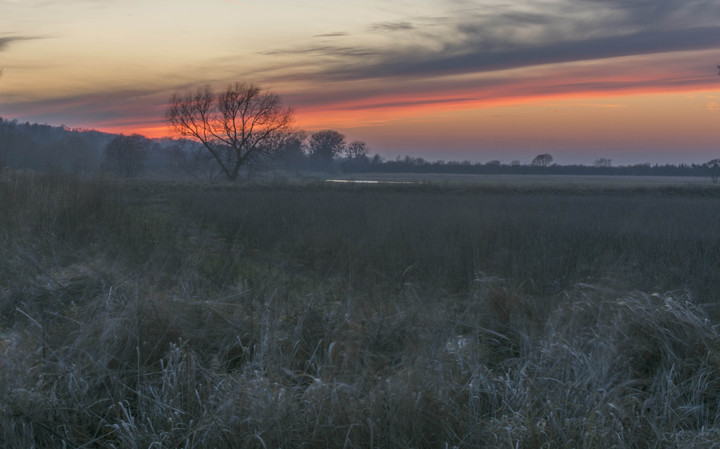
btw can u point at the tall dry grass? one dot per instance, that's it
(157, 316)
(545, 240)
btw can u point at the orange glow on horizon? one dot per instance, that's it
(353, 115)
(409, 115)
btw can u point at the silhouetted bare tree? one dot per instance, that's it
(235, 126)
(714, 167)
(602, 162)
(542, 160)
(357, 150)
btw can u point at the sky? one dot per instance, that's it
(631, 80)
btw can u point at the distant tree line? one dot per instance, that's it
(27, 146)
(87, 153)
(419, 165)
(43, 147)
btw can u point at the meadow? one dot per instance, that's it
(309, 314)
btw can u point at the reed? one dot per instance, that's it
(199, 316)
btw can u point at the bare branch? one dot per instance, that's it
(234, 126)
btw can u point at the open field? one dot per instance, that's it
(340, 315)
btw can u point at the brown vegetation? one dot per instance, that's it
(151, 315)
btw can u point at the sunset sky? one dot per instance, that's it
(630, 80)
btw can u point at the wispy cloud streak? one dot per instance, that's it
(641, 43)
(501, 37)
(5, 41)
(391, 26)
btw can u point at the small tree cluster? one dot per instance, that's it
(320, 150)
(245, 124)
(125, 155)
(603, 162)
(326, 145)
(357, 150)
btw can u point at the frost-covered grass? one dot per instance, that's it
(266, 316)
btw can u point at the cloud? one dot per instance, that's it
(333, 51)
(410, 103)
(103, 109)
(400, 95)
(476, 58)
(5, 41)
(465, 55)
(603, 106)
(659, 13)
(333, 34)
(458, 56)
(391, 26)
(520, 35)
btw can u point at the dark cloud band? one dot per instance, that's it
(641, 43)
(505, 36)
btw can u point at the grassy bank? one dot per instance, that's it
(157, 315)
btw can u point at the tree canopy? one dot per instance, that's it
(235, 126)
(542, 160)
(326, 144)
